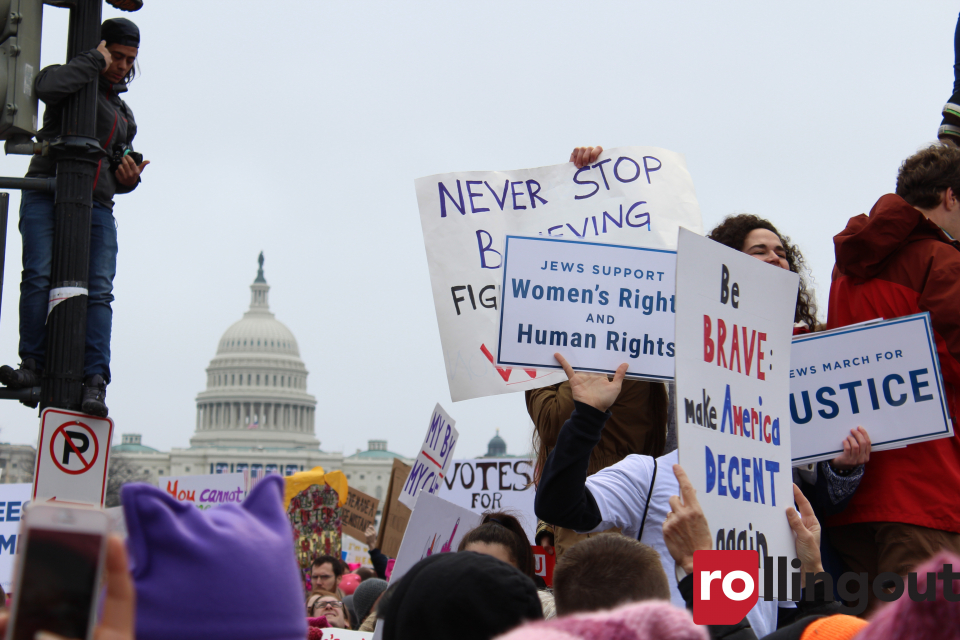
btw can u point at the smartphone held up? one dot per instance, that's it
(60, 564)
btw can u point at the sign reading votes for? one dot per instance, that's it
(734, 324)
(493, 484)
(634, 196)
(72, 458)
(431, 465)
(598, 305)
(883, 376)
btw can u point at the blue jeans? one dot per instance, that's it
(36, 229)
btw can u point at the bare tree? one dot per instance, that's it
(120, 473)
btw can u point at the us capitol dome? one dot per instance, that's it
(256, 414)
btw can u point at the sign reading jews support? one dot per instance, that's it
(13, 500)
(734, 325)
(494, 484)
(597, 305)
(205, 491)
(434, 459)
(72, 458)
(436, 526)
(634, 196)
(883, 376)
(358, 513)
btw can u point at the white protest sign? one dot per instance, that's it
(884, 377)
(436, 526)
(72, 458)
(598, 305)
(207, 490)
(353, 551)
(494, 484)
(434, 458)
(634, 196)
(345, 634)
(734, 324)
(13, 500)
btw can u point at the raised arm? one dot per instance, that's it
(562, 497)
(58, 82)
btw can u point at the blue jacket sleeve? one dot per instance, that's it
(379, 561)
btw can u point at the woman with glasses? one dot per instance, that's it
(324, 603)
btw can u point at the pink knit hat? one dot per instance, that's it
(905, 619)
(653, 619)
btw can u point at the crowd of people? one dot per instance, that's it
(617, 510)
(615, 507)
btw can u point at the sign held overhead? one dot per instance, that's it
(435, 455)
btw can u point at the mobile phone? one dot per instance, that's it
(60, 560)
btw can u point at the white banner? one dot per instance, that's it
(353, 551)
(734, 325)
(436, 526)
(206, 491)
(598, 305)
(13, 500)
(494, 484)
(634, 196)
(434, 458)
(883, 376)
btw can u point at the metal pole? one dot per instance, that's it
(78, 153)
(4, 209)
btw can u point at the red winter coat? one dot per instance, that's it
(896, 263)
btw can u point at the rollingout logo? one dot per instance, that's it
(726, 585)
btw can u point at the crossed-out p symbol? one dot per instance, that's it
(725, 585)
(74, 448)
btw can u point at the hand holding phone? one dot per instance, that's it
(60, 602)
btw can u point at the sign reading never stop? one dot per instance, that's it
(72, 458)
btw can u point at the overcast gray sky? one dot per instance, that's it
(298, 128)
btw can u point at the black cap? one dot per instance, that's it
(463, 595)
(120, 31)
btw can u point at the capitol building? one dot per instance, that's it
(255, 414)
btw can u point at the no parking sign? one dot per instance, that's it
(72, 458)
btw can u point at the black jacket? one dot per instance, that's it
(115, 121)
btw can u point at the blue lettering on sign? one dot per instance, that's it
(741, 478)
(859, 396)
(13, 511)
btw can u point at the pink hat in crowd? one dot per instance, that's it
(905, 619)
(349, 583)
(651, 620)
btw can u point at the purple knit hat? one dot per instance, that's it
(649, 620)
(904, 619)
(227, 572)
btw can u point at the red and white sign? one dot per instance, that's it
(72, 458)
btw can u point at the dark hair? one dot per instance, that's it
(605, 571)
(925, 175)
(733, 232)
(653, 445)
(334, 562)
(503, 529)
(365, 573)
